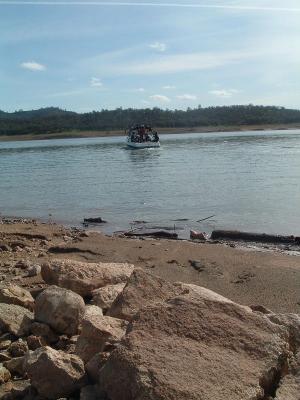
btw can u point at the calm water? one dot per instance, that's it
(249, 181)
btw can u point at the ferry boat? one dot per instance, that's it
(142, 137)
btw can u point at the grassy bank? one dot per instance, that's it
(111, 133)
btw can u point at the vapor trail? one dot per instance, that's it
(147, 4)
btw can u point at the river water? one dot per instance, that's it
(248, 181)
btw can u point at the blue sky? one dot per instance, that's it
(89, 55)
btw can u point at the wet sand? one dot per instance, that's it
(268, 278)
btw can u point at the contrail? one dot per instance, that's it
(147, 4)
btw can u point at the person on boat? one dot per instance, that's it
(155, 137)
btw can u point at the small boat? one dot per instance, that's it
(142, 137)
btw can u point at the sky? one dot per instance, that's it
(90, 55)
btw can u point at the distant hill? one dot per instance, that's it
(54, 120)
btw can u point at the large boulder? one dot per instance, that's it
(292, 322)
(97, 332)
(15, 319)
(142, 289)
(60, 308)
(105, 296)
(82, 277)
(13, 294)
(53, 373)
(196, 347)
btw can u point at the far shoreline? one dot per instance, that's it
(162, 131)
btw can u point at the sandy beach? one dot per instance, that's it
(248, 276)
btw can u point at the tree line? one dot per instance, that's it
(54, 120)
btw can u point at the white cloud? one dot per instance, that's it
(33, 66)
(160, 98)
(158, 46)
(186, 97)
(224, 93)
(96, 82)
(169, 87)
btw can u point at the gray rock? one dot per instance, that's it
(60, 308)
(15, 319)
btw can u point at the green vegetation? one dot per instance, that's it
(54, 120)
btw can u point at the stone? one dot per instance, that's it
(15, 366)
(92, 392)
(292, 322)
(60, 308)
(15, 319)
(192, 347)
(94, 365)
(35, 342)
(82, 277)
(4, 374)
(105, 296)
(18, 348)
(21, 390)
(13, 294)
(195, 235)
(97, 332)
(44, 331)
(34, 270)
(289, 386)
(22, 264)
(4, 356)
(4, 344)
(142, 289)
(53, 373)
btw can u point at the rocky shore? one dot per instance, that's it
(87, 316)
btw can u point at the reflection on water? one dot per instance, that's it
(248, 180)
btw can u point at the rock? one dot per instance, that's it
(34, 270)
(4, 247)
(53, 373)
(44, 331)
(13, 294)
(161, 234)
(92, 393)
(4, 356)
(197, 265)
(15, 365)
(15, 319)
(192, 348)
(35, 342)
(105, 296)
(82, 277)
(4, 374)
(18, 348)
(197, 235)
(289, 387)
(142, 289)
(23, 264)
(4, 344)
(21, 390)
(261, 309)
(97, 332)
(292, 322)
(60, 308)
(95, 364)
(97, 220)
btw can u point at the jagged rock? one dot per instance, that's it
(35, 342)
(4, 356)
(18, 348)
(15, 319)
(4, 374)
(44, 331)
(193, 347)
(5, 344)
(105, 296)
(53, 373)
(292, 322)
(289, 387)
(142, 289)
(15, 365)
(21, 390)
(60, 308)
(82, 277)
(97, 332)
(13, 294)
(95, 364)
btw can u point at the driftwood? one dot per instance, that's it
(155, 234)
(252, 237)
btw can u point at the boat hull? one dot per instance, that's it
(143, 145)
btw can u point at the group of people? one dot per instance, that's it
(143, 133)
